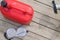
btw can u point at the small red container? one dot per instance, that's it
(17, 11)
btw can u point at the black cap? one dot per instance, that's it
(3, 4)
(54, 6)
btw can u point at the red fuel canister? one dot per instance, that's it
(17, 11)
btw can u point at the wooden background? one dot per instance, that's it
(44, 26)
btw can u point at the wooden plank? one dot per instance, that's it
(19, 25)
(4, 26)
(42, 30)
(8, 21)
(36, 28)
(32, 36)
(47, 21)
(29, 36)
(25, 38)
(37, 20)
(57, 37)
(54, 22)
(49, 3)
(41, 19)
(42, 8)
(50, 8)
(2, 36)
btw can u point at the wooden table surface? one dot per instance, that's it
(44, 26)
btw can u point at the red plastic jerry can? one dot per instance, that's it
(17, 11)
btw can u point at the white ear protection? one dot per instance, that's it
(13, 33)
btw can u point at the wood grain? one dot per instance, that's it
(43, 25)
(4, 26)
(43, 19)
(36, 28)
(43, 8)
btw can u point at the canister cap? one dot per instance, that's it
(3, 4)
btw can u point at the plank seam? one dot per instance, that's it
(34, 22)
(28, 30)
(43, 3)
(47, 15)
(47, 27)
(47, 21)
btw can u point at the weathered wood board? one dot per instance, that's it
(4, 26)
(44, 26)
(43, 8)
(40, 30)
